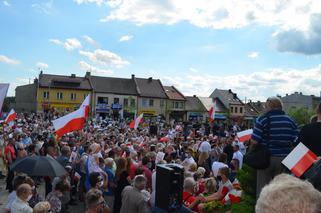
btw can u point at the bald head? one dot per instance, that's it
(23, 191)
(273, 103)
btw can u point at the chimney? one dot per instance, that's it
(35, 81)
(300, 93)
(286, 94)
(133, 76)
(73, 75)
(41, 72)
(150, 79)
(194, 96)
(229, 90)
(88, 74)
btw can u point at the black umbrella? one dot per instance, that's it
(38, 166)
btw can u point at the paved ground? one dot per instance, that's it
(41, 190)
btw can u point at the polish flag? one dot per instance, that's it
(11, 116)
(3, 94)
(234, 196)
(299, 160)
(211, 113)
(245, 135)
(134, 124)
(86, 105)
(70, 122)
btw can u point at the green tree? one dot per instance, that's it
(301, 115)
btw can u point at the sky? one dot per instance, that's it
(256, 48)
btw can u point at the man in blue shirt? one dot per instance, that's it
(279, 132)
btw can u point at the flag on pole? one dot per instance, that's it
(3, 94)
(299, 160)
(245, 135)
(211, 113)
(70, 122)
(86, 105)
(134, 124)
(11, 116)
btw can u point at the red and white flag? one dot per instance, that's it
(86, 105)
(3, 94)
(134, 124)
(211, 113)
(245, 135)
(11, 116)
(299, 160)
(71, 122)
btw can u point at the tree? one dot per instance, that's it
(301, 115)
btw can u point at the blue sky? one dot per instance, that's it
(256, 48)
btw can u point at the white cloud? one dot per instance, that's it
(253, 55)
(90, 68)
(104, 57)
(6, 3)
(257, 85)
(125, 38)
(44, 7)
(98, 2)
(193, 70)
(90, 41)
(7, 60)
(70, 43)
(42, 66)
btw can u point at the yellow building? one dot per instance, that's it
(62, 93)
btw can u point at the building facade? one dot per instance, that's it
(114, 97)
(26, 98)
(151, 97)
(175, 104)
(298, 100)
(232, 104)
(61, 93)
(195, 110)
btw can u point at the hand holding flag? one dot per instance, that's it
(135, 123)
(11, 116)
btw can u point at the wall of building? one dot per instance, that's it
(237, 110)
(66, 103)
(110, 97)
(158, 108)
(26, 98)
(297, 100)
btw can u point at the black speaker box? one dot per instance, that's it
(169, 186)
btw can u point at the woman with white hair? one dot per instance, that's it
(288, 194)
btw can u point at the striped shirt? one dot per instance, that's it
(282, 132)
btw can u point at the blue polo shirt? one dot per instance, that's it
(283, 132)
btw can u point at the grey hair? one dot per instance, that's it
(288, 194)
(274, 103)
(189, 183)
(139, 181)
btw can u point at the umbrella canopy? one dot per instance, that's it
(38, 166)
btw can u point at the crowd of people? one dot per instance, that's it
(112, 168)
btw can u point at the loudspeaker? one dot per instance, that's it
(169, 186)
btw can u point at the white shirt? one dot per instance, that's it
(20, 206)
(241, 146)
(12, 196)
(188, 161)
(216, 167)
(205, 147)
(238, 155)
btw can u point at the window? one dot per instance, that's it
(241, 109)
(235, 109)
(151, 102)
(144, 102)
(73, 96)
(181, 105)
(116, 100)
(232, 109)
(102, 100)
(125, 102)
(59, 95)
(132, 103)
(45, 95)
(176, 105)
(162, 103)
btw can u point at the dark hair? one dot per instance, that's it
(62, 186)
(145, 160)
(17, 181)
(222, 158)
(225, 171)
(93, 178)
(139, 170)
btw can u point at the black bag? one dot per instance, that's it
(313, 175)
(258, 156)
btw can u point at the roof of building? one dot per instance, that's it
(207, 102)
(173, 93)
(193, 103)
(258, 106)
(150, 87)
(113, 85)
(63, 81)
(250, 111)
(227, 97)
